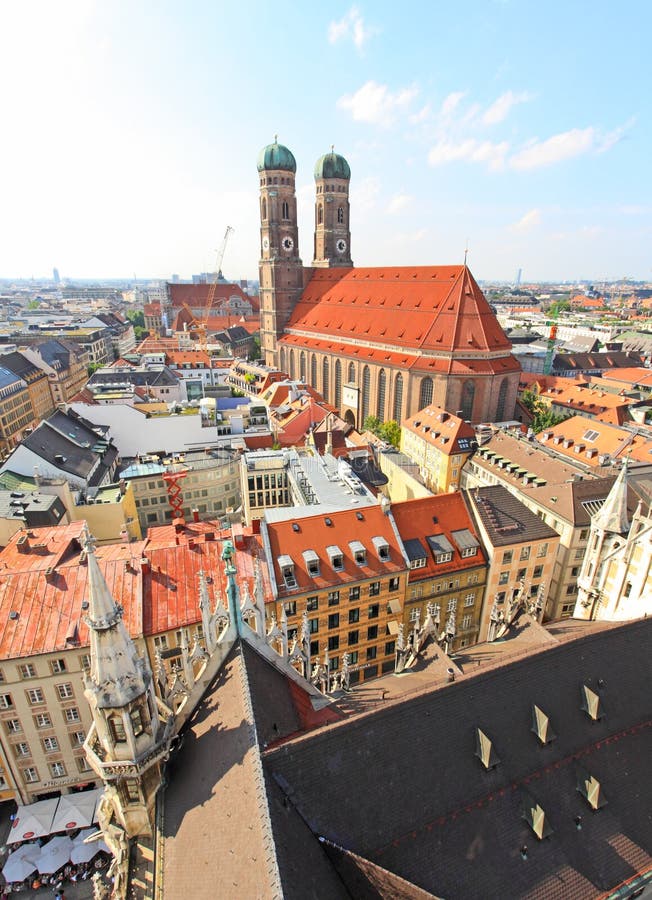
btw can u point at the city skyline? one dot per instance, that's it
(133, 134)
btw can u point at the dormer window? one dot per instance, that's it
(286, 565)
(312, 563)
(359, 553)
(336, 557)
(382, 548)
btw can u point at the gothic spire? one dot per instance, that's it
(117, 674)
(612, 515)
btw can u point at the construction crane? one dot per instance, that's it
(210, 299)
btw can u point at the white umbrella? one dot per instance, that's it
(21, 863)
(76, 810)
(82, 852)
(54, 855)
(32, 821)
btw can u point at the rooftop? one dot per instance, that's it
(505, 519)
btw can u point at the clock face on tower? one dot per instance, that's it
(340, 246)
(287, 243)
(265, 243)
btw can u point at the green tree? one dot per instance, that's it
(136, 317)
(543, 416)
(93, 367)
(372, 423)
(256, 352)
(558, 306)
(386, 431)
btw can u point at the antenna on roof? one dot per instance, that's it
(466, 251)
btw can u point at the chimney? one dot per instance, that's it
(144, 565)
(37, 477)
(195, 515)
(179, 525)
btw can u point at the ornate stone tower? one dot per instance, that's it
(281, 269)
(332, 225)
(131, 730)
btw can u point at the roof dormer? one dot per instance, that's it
(286, 565)
(359, 552)
(312, 563)
(382, 548)
(336, 557)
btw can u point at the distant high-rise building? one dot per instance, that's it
(55, 276)
(519, 272)
(175, 278)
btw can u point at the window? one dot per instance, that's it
(35, 695)
(334, 620)
(290, 607)
(525, 553)
(312, 604)
(507, 557)
(77, 738)
(285, 210)
(390, 647)
(27, 671)
(366, 392)
(324, 377)
(394, 584)
(381, 393)
(468, 396)
(443, 558)
(354, 637)
(117, 728)
(57, 769)
(467, 621)
(372, 632)
(373, 610)
(13, 726)
(333, 642)
(333, 598)
(161, 642)
(502, 393)
(72, 714)
(417, 563)
(354, 593)
(314, 648)
(504, 578)
(374, 588)
(469, 600)
(65, 691)
(131, 790)
(353, 658)
(340, 215)
(425, 392)
(521, 574)
(6, 701)
(398, 398)
(372, 652)
(575, 571)
(334, 663)
(538, 572)
(542, 551)
(50, 744)
(354, 615)
(58, 666)
(452, 604)
(43, 720)
(82, 764)
(137, 721)
(584, 533)
(30, 775)
(313, 626)
(22, 749)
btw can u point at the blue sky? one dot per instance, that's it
(131, 132)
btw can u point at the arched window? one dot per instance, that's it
(263, 208)
(291, 372)
(286, 210)
(382, 385)
(425, 392)
(313, 372)
(340, 214)
(338, 384)
(468, 395)
(366, 391)
(351, 373)
(302, 366)
(320, 214)
(282, 359)
(324, 378)
(398, 398)
(500, 408)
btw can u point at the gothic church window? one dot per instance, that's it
(468, 395)
(500, 409)
(117, 728)
(398, 398)
(425, 392)
(264, 208)
(340, 215)
(286, 210)
(291, 372)
(320, 214)
(302, 366)
(338, 384)
(325, 378)
(351, 373)
(382, 384)
(366, 391)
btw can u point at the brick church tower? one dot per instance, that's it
(332, 224)
(280, 269)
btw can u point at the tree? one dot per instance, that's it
(136, 317)
(93, 367)
(558, 306)
(542, 416)
(386, 431)
(372, 423)
(255, 349)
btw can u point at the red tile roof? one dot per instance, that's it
(442, 430)
(423, 309)
(197, 294)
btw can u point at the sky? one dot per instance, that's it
(519, 130)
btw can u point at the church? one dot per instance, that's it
(383, 341)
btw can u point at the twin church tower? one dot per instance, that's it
(282, 273)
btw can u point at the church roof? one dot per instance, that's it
(426, 309)
(332, 165)
(274, 157)
(612, 515)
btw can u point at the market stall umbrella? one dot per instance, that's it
(76, 810)
(21, 863)
(54, 855)
(34, 820)
(82, 852)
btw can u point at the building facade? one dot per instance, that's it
(440, 443)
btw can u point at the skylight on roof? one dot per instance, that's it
(590, 435)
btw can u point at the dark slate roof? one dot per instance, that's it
(564, 362)
(57, 353)
(9, 378)
(505, 519)
(152, 375)
(401, 787)
(20, 365)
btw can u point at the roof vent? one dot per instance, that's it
(590, 788)
(591, 704)
(328, 521)
(535, 816)
(85, 604)
(13, 615)
(541, 726)
(484, 750)
(359, 516)
(296, 526)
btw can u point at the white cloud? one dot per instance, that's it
(500, 108)
(470, 150)
(375, 104)
(410, 237)
(528, 221)
(451, 102)
(422, 116)
(365, 192)
(565, 145)
(398, 203)
(351, 27)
